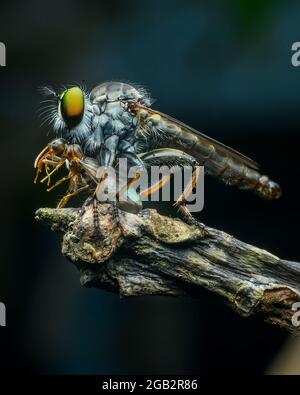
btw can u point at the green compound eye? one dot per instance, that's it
(72, 106)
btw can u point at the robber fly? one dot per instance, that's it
(115, 120)
(100, 182)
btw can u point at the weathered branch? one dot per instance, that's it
(160, 255)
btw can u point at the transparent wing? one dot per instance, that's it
(162, 130)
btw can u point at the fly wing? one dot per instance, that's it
(90, 166)
(166, 157)
(160, 130)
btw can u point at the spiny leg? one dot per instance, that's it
(87, 202)
(125, 187)
(96, 216)
(190, 186)
(181, 205)
(155, 187)
(96, 222)
(112, 238)
(116, 214)
(188, 217)
(182, 200)
(101, 177)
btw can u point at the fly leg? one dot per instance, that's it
(86, 203)
(101, 175)
(112, 238)
(152, 189)
(127, 152)
(180, 203)
(188, 217)
(182, 200)
(125, 187)
(155, 187)
(116, 214)
(190, 186)
(96, 221)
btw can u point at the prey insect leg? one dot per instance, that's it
(67, 197)
(60, 182)
(39, 163)
(53, 171)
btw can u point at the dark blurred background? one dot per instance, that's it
(222, 67)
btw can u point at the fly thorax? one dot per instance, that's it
(116, 120)
(113, 90)
(114, 109)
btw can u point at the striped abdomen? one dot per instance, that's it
(220, 161)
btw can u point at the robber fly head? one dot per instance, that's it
(68, 112)
(71, 104)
